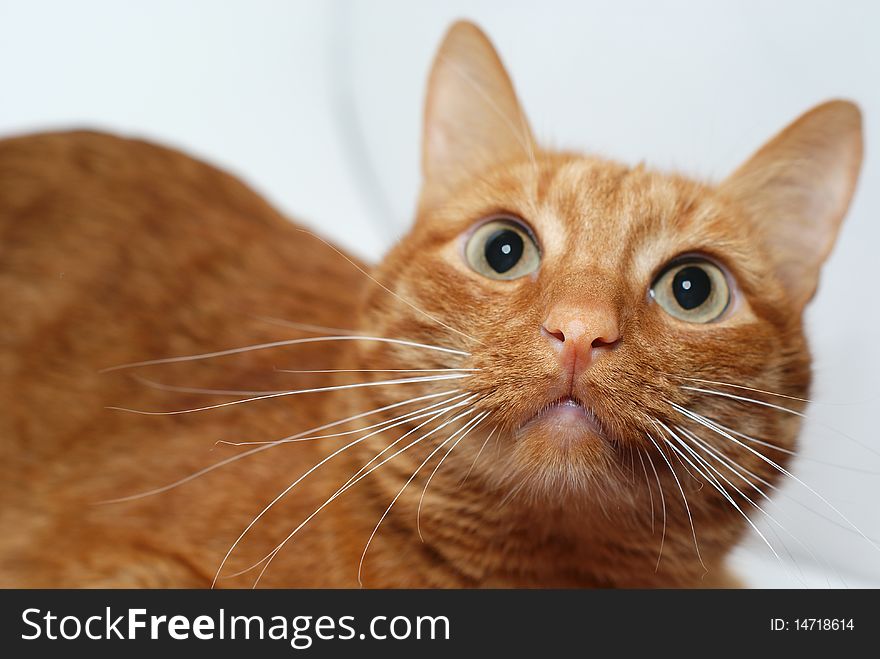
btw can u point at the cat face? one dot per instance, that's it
(614, 322)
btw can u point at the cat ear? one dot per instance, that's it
(472, 115)
(797, 188)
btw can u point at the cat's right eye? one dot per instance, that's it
(502, 249)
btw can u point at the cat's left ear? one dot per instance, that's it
(797, 189)
(472, 115)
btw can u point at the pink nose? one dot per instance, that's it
(580, 333)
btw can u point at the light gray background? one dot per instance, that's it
(318, 105)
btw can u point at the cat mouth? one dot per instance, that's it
(568, 419)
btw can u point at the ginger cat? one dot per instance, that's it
(560, 376)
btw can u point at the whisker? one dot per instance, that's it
(305, 327)
(339, 387)
(388, 290)
(512, 493)
(471, 398)
(197, 390)
(663, 505)
(745, 399)
(650, 489)
(766, 392)
(705, 422)
(388, 422)
(479, 453)
(764, 482)
(761, 442)
(763, 403)
(699, 481)
(479, 419)
(259, 449)
(278, 344)
(731, 464)
(733, 468)
(433, 416)
(308, 472)
(405, 485)
(744, 388)
(714, 482)
(377, 370)
(684, 498)
(718, 486)
(799, 456)
(632, 466)
(352, 483)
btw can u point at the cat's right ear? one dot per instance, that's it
(472, 115)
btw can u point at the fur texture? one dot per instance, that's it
(114, 251)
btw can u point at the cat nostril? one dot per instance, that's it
(602, 342)
(556, 334)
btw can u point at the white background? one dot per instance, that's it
(318, 105)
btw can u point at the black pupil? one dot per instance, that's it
(691, 287)
(503, 250)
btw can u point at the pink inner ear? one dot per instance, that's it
(472, 115)
(797, 188)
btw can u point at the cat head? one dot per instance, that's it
(614, 322)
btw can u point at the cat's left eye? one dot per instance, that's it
(694, 290)
(502, 249)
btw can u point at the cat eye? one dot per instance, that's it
(502, 249)
(693, 290)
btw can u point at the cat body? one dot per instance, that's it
(557, 428)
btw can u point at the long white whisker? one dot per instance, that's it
(732, 467)
(713, 481)
(744, 388)
(763, 403)
(705, 422)
(259, 449)
(199, 390)
(761, 442)
(731, 464)
(474, 423)
(296, 392)
(433, 416)
(763, 481)
(278, 344)
(735, 467)
(479, 453)
(684, 498)
(771, 393)
(389, 422)
(745, 399)
(352, 483)
(776, 447)
(470, 398)
(306, 327)
(687, 469)
(663, 506)
(650, 489)
(379, 370)
(718, 486)
(308, 472)
(405, 485)
(388, 290)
